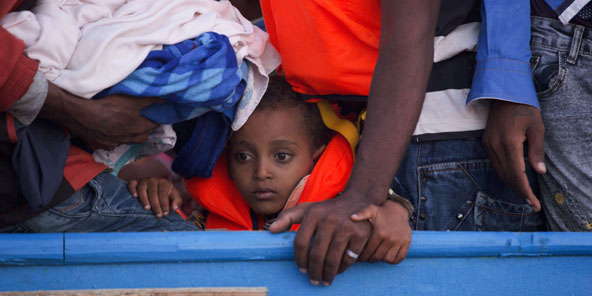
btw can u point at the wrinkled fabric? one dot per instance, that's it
(87, 46)
(38, 159)
(193, 77)
(203, 146)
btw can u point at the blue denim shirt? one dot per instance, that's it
(503, 55)
(503, 59)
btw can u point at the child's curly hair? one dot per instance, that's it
(280, 94)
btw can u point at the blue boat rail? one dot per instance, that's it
(482, 263)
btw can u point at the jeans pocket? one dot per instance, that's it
(447, 194)
(495, 215)
(549, 72)
(77, 205)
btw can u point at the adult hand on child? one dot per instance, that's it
(105, 123)
(156, 193)
(391, 234)
(334, 232)
(509, 125)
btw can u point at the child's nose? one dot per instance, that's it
(263, 171)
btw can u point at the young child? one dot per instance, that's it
(283, 156)
(280, 158)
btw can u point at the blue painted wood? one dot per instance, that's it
(222, 246)
(22, 249)
(414, 276)
(438, 263)
(176, 247)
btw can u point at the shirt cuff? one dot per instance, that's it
(503, 79)
(28, 106)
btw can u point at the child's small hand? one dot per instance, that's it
(156, 193)
(391, 234)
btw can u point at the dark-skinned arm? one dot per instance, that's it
(104, 123)
(395, 100)
(503, 77)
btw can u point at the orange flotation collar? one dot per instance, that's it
(228, 210)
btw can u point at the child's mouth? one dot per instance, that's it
(264, 194)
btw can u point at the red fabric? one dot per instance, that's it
(328, 46)
(81, 168)
(228, 210)
(17, 71)
(10, 128)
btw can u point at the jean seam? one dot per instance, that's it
(480, 206)
(419, 187)
(558, 82)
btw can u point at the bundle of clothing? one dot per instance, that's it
(202, 57)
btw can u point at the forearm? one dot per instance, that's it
(63, 108)
(396, 94)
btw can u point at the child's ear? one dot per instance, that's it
(317, 153)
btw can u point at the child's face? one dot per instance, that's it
(268, 156)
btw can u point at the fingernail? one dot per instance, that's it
(146, 207)
(326, 284)
(159, 215)
(135, 195)
(175, 207)
(166, 213)
(314, 283)
(542, 166)
(302, 270)
(529, 202)
(354, 216)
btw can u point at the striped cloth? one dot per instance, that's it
(193, 77)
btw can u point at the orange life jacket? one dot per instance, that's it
(327, 46)
(228, 210)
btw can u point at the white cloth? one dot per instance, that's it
(446, 111)
(85, 46)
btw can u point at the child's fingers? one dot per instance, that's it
(176, 199)
(153, 197)
(142, 191)
(131, 186)
(164, 191)
(368, 213)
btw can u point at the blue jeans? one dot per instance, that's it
(452, 186)
(562, 70)
(103, 205)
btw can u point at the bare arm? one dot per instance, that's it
(104, 123)
(395, 100)
(396, 94)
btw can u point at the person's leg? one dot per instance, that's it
(562, 68)
(453, 187)
(103, 205)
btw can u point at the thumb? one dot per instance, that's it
(368, 213)
(289, 217)
(536, 152)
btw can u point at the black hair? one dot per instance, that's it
(279, 94)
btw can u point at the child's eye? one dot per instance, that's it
(242, 157)
(283, 157)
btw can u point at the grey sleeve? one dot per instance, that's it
(28, 106)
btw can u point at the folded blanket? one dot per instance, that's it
(87, 46)
(193, 77)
